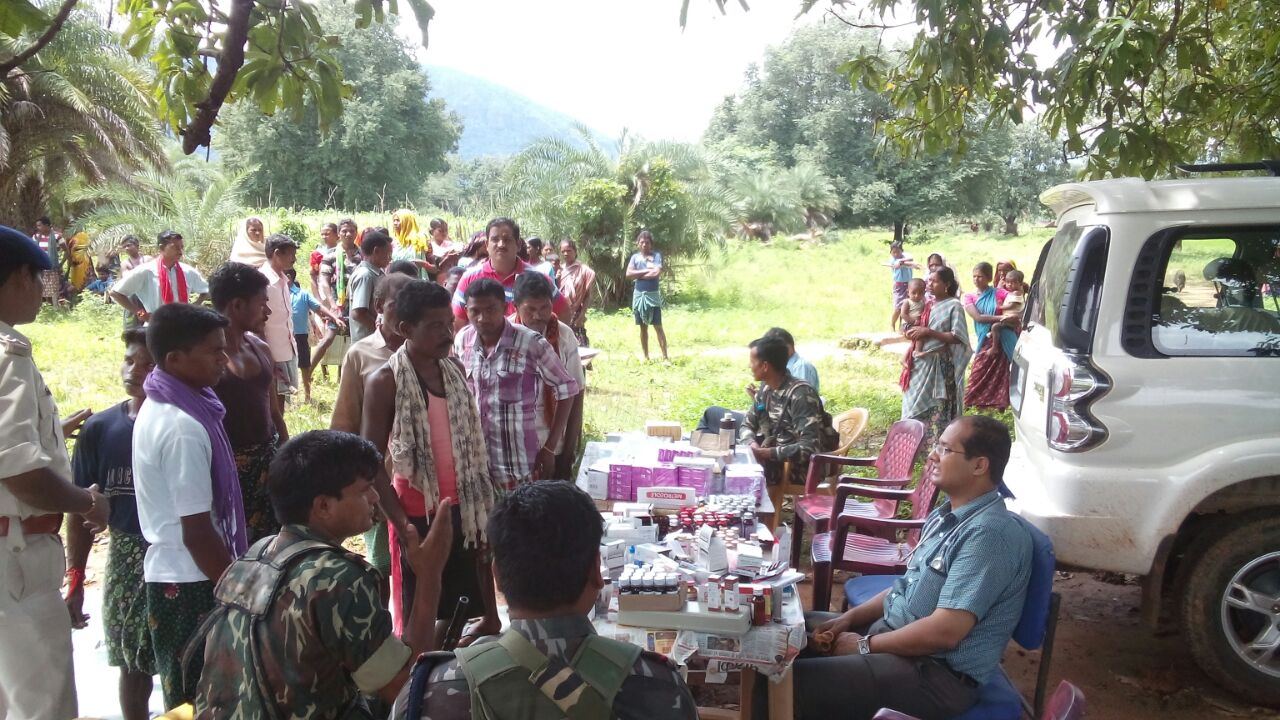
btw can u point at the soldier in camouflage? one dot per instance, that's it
(323, 635)
(785, 422)
(546, 551)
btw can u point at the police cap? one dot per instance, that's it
(18, 248)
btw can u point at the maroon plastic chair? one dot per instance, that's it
(893, 470)
(1067, 703)
(859, 543)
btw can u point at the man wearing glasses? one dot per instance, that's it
(925, 645)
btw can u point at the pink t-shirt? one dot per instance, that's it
(442, 452)
(972, 298)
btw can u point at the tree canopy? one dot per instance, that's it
(77, 111)
(380, 151)
(272, 53)
(1136, 86)
(798, 119)
(566, 189)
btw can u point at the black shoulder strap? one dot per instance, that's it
(418, 681)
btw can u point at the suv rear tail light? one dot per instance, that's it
(1074, 384)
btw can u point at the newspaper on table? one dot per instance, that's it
(769, 648)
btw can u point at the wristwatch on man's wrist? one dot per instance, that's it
(864, 645)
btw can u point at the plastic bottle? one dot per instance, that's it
(728, 436)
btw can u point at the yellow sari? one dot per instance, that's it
(80, 266)
(408, 234)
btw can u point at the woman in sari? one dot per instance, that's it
(410, 242)
(989, 381)
(79, 264)
(250, 246)
(933, 374)
(1002, 267)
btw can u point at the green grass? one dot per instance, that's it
(819, 291)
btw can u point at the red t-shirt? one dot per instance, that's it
(485, 270)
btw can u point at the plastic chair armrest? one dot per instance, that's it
(851, 489)
(887, 714)
(833, 459)
(883, 482)
(849, 521)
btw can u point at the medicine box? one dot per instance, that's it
(661, 602)
(620, 482)
(691, 617)
(668, 497)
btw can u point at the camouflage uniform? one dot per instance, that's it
(326, 639)
(789, 421)
(653, 690)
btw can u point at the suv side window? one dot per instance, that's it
(1220, 294)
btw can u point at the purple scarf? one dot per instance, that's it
(204, 406)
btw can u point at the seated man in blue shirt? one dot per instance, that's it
(925, 645)
(798, 367)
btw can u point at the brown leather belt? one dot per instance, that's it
(35, 525)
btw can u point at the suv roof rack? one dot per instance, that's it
(1271, 167)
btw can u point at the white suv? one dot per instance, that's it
(1147, 395)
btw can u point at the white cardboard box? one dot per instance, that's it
(598, 484)
(671, 498)
(693, 617)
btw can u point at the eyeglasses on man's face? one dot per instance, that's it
(942, 451)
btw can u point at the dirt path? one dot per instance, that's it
(1126, 671)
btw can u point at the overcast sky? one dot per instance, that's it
(610, 63)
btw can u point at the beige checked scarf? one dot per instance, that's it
(410, 444)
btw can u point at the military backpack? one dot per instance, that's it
(511, 680)
(249, 587)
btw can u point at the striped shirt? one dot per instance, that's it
(977, 559)
(507, 383)
(508, 282)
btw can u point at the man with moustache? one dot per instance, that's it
(167, 280)
(255, 417)
(363, 357)
(300, 630)
(36, 677)
(534, 294)
(502, 266)
(420, 410)
(507, 367)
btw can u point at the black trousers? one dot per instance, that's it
(855, 687)
(710, 421)
(460, 576)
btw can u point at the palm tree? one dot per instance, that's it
(574, 188)
(79, 110)
(196, 198)
(816, 193)
(767, 204)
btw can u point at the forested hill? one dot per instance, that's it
(496, 120)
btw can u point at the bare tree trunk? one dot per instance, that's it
(899, 228)
(1010, 224)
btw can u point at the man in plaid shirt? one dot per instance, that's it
(507, 367)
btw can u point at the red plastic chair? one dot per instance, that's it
(858, 543)
(1067, 703)
(893, 470)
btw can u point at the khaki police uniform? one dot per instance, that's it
(36, 678)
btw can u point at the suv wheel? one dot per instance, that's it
(1231, 606)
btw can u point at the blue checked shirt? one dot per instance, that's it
(977, 559)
